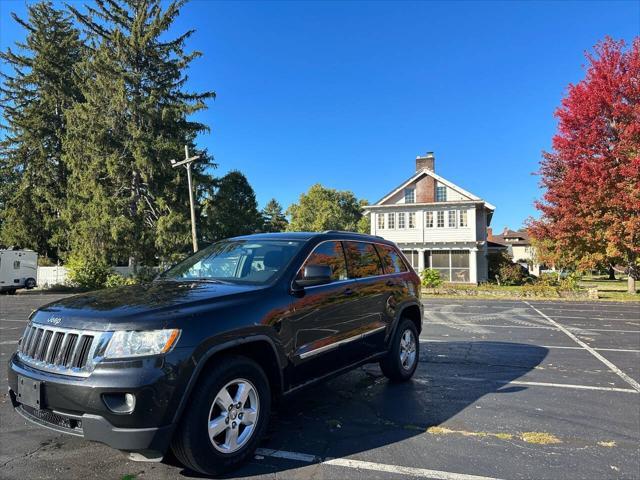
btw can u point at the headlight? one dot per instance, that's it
(136, 344)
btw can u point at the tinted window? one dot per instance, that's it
(328, 253)
(391, 259)
(362, 260)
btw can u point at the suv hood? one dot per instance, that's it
(137, 306)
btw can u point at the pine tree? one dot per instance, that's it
(273, 217)
(232, 210)
(34, 96)
(126, 202)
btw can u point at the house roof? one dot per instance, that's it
(521, 237)
(441, 180)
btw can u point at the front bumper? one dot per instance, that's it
(77, 406)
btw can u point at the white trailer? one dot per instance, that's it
(18, 269)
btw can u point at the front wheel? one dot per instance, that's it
(228, 414)
(402, 359)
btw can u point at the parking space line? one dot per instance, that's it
(525, 345)
(399, 470)
(373, 466)
(11, 342)
(532, 384)
(584, 329)
(590, 349)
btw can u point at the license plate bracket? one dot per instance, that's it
(30, 392)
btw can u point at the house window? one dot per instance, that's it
(412, 219)
(463, 218)
(401, 218)
(453, 265)
(452, 218)
(412, 256)
(441, 193)
(391, 220)
(440, 219)
(381, 221)
(428, 222)
(409, 195)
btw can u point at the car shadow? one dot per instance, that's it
(362, 410)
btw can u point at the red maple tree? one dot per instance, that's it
(591, 206)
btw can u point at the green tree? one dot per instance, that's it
(35, 95)
(232, 210)
(273, 217)
(324, 208)
(126, 202)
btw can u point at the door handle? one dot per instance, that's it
(347, 291)
(390, 283)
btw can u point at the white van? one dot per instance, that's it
(18, 269)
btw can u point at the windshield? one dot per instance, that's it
(236, 261)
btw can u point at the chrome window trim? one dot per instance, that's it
(337, 282)
(95, 354)
(333, 345)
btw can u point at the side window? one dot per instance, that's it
(391, 260)
(16, 265)
(362, 260)
(328, 253)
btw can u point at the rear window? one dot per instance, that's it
(391, 259)
(362, 260)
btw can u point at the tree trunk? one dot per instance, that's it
(634, 273)
(612, 273)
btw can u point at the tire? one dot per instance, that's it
(192, 444)
(30, 283)
(399, 365)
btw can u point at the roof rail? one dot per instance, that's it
(353, 233)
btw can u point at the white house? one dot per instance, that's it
(436, 223)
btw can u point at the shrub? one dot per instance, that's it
(511, 274)
(548, 279)
(145, 274)
(117, 280)
(86, 273)
(431, 278)
(570, 282)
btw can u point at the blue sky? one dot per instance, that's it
(348, 93)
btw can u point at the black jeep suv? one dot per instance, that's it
(193, 360)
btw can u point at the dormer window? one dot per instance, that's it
(441, 193)
(409, 195)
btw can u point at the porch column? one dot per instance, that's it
(473, 265)
(420, 260)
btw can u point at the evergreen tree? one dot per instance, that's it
(273, 217)
(126, 202)
(232, 210)
(35, 95)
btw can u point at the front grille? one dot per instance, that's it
(59, 350)
(53, 420)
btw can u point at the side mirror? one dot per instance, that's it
(315, 275)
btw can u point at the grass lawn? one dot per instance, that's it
(613, 290)
(610, 289)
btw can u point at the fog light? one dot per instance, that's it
(120, 402)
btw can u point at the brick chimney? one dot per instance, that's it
(489, 233)
(428, 162)
(426, 185)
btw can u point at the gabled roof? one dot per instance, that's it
(441, 180)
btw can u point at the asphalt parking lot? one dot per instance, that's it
(505, 389)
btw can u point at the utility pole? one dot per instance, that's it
(187, 163)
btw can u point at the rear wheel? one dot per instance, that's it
(30, 283)
(402, 359)
(228, 414)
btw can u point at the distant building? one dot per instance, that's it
(436, 223)
(519, 246)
